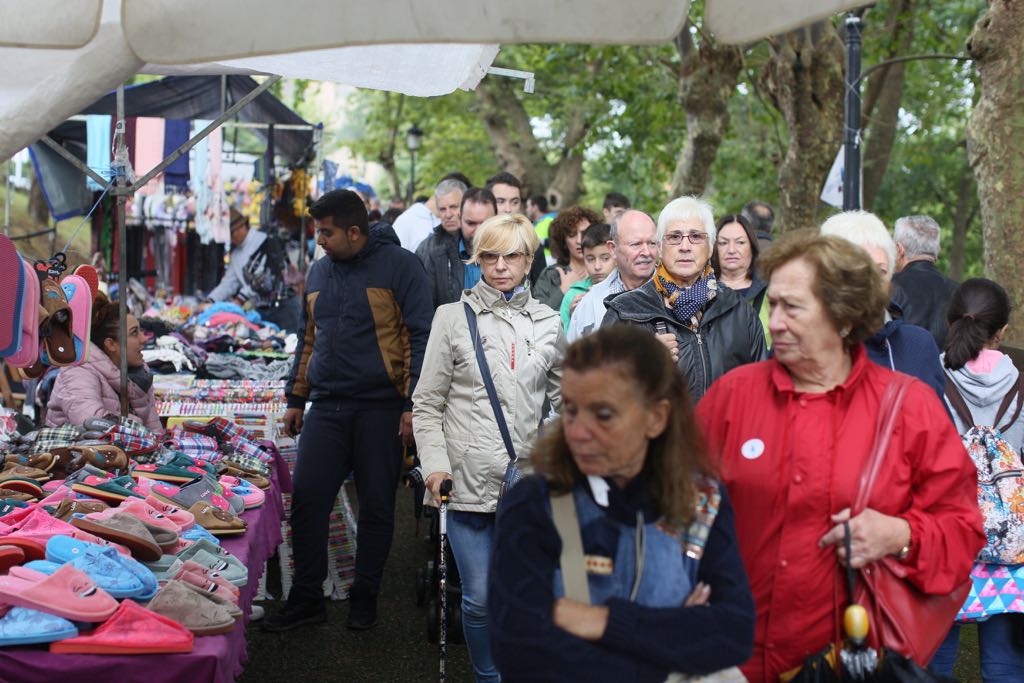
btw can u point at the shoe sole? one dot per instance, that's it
(360, 627)
(270, 627)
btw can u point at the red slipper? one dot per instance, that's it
(91, 277)
(132, 630)
(10, 556)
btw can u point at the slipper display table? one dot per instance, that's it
(215, 659)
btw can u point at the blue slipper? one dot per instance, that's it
(198, 533)
(63, 549)
(24, 626)
(107, 572)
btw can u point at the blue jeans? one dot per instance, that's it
(470, 535)
(1001, 641)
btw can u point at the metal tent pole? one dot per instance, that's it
(851, 142)
(121, 191)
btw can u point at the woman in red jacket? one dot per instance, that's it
(791, 437)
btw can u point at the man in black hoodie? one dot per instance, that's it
(363, 334)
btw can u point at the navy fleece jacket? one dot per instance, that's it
(364, 327)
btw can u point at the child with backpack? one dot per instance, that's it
(985, 393)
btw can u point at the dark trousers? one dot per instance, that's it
(336, 441)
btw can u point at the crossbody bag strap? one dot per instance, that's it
(573, 564)
(485, 371)
(1018, 391)
(888, 413)
(959, 404)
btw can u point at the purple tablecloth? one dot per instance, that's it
(215, 659)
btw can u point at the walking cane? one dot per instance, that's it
(442, 572)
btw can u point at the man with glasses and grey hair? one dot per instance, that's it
(635, 249)
(710, 329)
(920, 289)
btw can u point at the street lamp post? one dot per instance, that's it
(413, 140)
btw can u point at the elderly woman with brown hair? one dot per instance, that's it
(567, 248)
(618, 563)
(792, 438)
(709, 329)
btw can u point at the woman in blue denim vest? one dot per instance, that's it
(646, 583)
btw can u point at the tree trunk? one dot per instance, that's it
(995, 145)
(804, 79)
(386, 158)
(881, 106)
(964, 215)
(707, 79)
(518, 151)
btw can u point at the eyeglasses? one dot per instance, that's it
(511, 259)
(676, 238)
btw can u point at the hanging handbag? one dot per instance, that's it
(512, 473)
(902, 617)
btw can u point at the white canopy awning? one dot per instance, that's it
(738, 22)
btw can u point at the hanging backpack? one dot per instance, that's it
(267, 270)
(1000, 476)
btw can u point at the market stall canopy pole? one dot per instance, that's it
(737, 22)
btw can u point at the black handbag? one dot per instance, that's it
(512, 473)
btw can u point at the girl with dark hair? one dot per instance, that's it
(638, 595)
(93, 389)
(567, 248)
(983, 377)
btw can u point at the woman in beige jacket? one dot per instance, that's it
(457, 433)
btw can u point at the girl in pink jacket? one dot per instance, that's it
(93, 389)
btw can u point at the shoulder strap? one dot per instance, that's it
(485, 371)
(567, 524)
(959, 404)
(888, 412)
(1016, 390)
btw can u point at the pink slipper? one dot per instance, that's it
(79, 297)
(13, 278)
(67, 593)
(33, 531)
(138, 508)
(183, 518)
(132, 630)
(28, 353)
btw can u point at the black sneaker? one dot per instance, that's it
(295, 615)
(362, 613)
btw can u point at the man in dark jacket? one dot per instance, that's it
(364, 334)
(918, 287)
(445, 252)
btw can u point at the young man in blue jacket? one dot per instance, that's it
(363, 334)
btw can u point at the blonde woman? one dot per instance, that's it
(458, 433)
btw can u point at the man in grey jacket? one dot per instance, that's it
(247, 247)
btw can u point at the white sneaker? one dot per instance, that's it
(257, 613)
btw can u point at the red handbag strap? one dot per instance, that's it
(888, 412)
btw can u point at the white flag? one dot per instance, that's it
(832, 193)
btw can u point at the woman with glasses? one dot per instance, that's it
(709, 329)
(457, 431)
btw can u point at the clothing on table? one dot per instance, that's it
(772, 443)
(415, 225)
(93, 390)
(590, 310)
(575, 289)
(924, 294)
(230, 366)
(643, 640)
(728, 335)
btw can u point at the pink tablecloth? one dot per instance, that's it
(215, 659)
